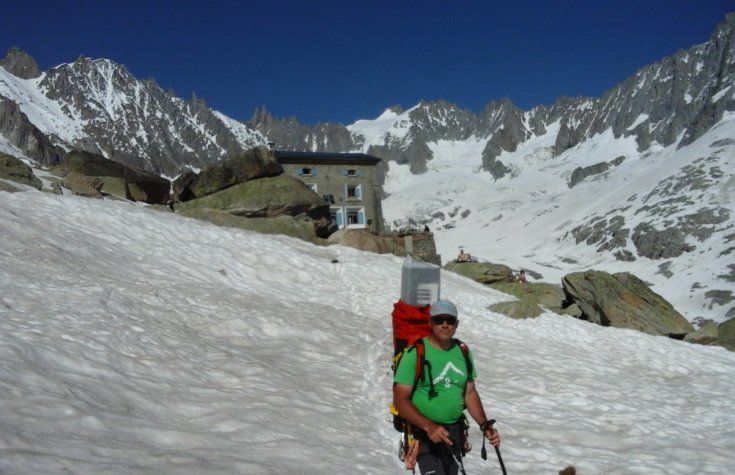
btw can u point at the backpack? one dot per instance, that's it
(410, 323)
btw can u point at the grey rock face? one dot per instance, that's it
(607, 234)
(20, 64)
(659, 244)
(19, 131)
(580, 173)
(290, 134)
(503, 124)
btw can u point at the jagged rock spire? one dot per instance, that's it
(21, 64)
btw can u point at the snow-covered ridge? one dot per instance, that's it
(389, 125)
(244, 134)
(98, 106)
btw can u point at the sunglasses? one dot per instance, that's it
(442, 319)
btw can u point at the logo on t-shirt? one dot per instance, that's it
(445, 376)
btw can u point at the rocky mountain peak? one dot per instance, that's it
(396, 109)
(129, 120)
(20, 64)
(260, 116)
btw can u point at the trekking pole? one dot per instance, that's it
(500, 459)
(483, 452)
(456, 460)
(459, 463)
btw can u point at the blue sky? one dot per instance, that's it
(343, 60)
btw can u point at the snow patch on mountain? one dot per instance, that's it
(244, 134)
(528, 220)
(388, 126)
(6, 147)
(46, 114)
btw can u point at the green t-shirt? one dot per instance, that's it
(449, 370)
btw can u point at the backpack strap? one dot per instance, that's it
(420, 362)
(466, 353)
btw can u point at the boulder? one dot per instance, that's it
(269, 198)
(366, 241)
(705, 335)
(14, 169)
(181, 186)
(624, 301)
(549, 296)
(7, 186)
(726, 334)
(255, 163)
(483, 272)
(118, 179)
(258, 162)
(286, 225)
(82, 185)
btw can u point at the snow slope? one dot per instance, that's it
(135, 341)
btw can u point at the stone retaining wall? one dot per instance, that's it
(422, 244)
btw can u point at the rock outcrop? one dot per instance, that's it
(624, 301)
(249, 165)
(114, 178)
(269, 198)
(483, 272)
(726, 334)
(535, 294)
(13, 169)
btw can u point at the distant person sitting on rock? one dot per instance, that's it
(522, 277)
(462, 257)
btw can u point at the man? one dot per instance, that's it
(436, 407)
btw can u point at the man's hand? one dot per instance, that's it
(437, 433)
(493, 436)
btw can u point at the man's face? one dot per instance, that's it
(443, 327)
